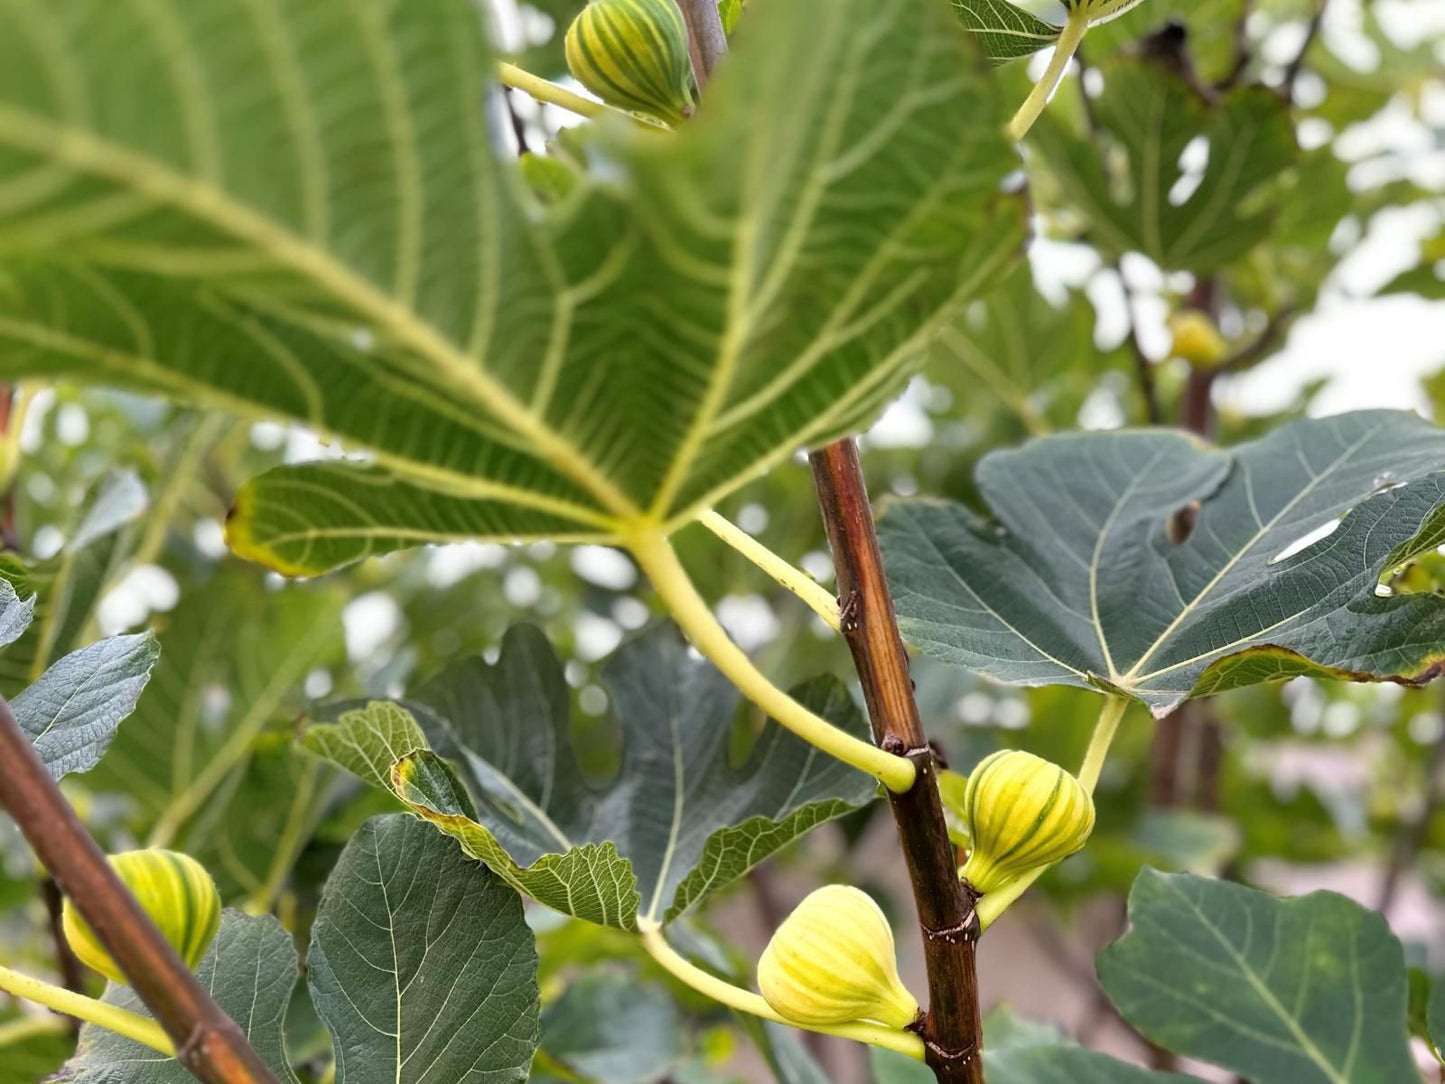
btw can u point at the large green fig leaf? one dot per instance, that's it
(250, 970)
(295, 210)
(1304, 991)
(421, 963)
(1078, 579)
(1130, 200)
(678, 821)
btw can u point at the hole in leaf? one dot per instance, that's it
(1180, 525)
(1423, 575)
(1319, 534)
(1193, 161)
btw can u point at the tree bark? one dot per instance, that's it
(208, 1043)
(952, 1027)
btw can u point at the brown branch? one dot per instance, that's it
(707, 41)
(1295, 66)
(72, 972)
(952, 1028)
(1262, 344)
(208, 1043)
(1243, 53)
(1143, 367)
(1412, 834)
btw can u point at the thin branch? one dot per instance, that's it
(1295, 66)
(707, 40)
(1243, 52)
(1262, 344)
(1412, 833)
(1143, 367)
(952, 1029)
(72, 973)
(208, 1043)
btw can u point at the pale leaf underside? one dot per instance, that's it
(295, 210)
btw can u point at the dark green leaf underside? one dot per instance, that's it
(421, 963)
(678, 821)
(1304, 991)
(1077, 580)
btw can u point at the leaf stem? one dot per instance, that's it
(790, 576)
(1070, 36)
(654, 554)
(121, 1021)
(735, 997)
(1104, 730)
(993, 905)
(546, 91)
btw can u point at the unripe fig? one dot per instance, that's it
(833, 962)
(1196, 339)
(1023, 812)
(633, 54)
(173, 889)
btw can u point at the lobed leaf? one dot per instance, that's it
(677, 822)
(299, 213)
(1134, 199)
(1078, 581)
(232, 656)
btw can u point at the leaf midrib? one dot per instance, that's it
(1291, 1023)
(1134, 676)
(82, 152)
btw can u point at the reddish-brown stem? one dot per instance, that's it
(706, 37)
(208, 1043)
(952, 1028)
(72, 972)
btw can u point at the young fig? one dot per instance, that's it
(832, 961)
(1022, 812)
(633, 54)
(173, 889)
(1196, 339)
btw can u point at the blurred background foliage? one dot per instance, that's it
(1303, 172)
